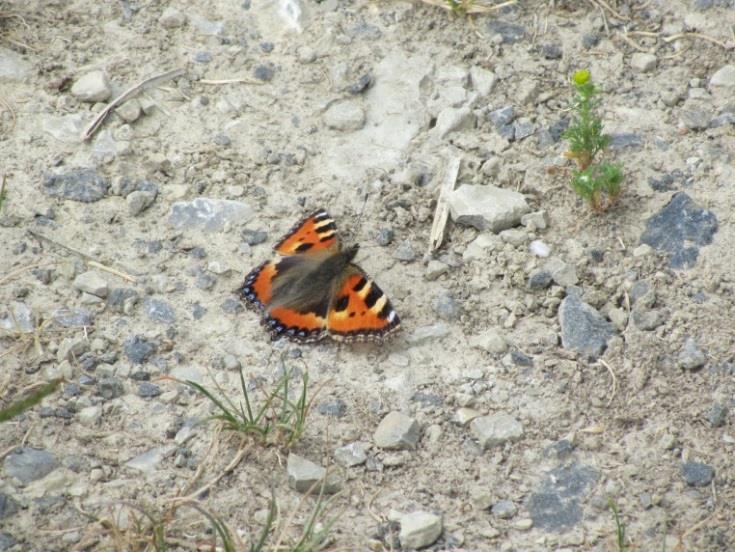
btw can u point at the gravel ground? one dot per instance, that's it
(552, 361)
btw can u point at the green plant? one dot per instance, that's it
(619, 525)
(599, 185)
(459, 6)
(30, 401)
(278, 419)
(3, 193)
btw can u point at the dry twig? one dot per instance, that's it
(614, 381)
(441, 215)
(125, 96)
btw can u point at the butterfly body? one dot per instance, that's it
(313, 289)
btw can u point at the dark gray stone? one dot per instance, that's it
(717, 415)
(679, 229)
(560, 450)
(503, 116)
(520, 359)
(265, 72)
(222, 140)
(539, 279)
(510, 32)
(523, 129)
(8, 506)
(505, 509)
(7, 541)
(138, 349)
(551, 51)
(159, 311)
(583, 329)
(667, 182)
(72, 317)
(590, 41)
(384, 237)
(148, 390)
(198, 311)
(205, 280)
(110, 388)
(362, 84)
(83, 185)
(638, 290)
(447, 307)
(626, 140)
(333, 407)
(694, 119)
(722, 120)
(118, 297)
(557, 129)
(556, 505)
(203, 57)
(29, 464)
(427, 399)
(697, 474)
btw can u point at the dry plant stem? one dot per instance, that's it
(231, 466)
(10, 110)
(719, 43)
(229, 81)
(441, 215)
(128, 94)
(293, 513)
(18, 271)
(90, 261)
(606, 6)
(474, 8)
(614, 381)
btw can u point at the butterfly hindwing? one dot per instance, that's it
(360, 311)
(316, 232)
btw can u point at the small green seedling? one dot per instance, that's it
(599, 184)
(619, 525)
(459, 6)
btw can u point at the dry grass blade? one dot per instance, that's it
(470, 7)
(30, 401)
(441, 214)
(128, 94)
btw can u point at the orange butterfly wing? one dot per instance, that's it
(360, 311)
(316, 232)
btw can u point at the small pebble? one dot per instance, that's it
(697, 474)
(397, 431)
(148, 390)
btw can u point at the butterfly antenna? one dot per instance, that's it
(362, 212)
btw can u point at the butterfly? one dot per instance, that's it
(312, 289)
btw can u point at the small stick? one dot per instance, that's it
(608, 8)
(128, 94)
(229, 81)
(90, 260)
(441, 215)
(10, 110)
(472, 8)
(614, 381)
(633, 43)
(724, 45)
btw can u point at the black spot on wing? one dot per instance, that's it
(341, 303)
(372, 297)
(304, 247)
(359, 285)
(327, 227)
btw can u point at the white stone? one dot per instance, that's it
(91, 282)
(643, 250)
(92, 87)
(483, 80)
(562, 273)
(305, 476)
(350, 455)
(481, 246)
(538, 220)
(465, 415)
(90, 415)
(490, 341)
(149, 460)
(397, 431)
(487, 207)
(435, 269)
(643, 62)
(138, 201)
(419, 529)
(172, 18)
(724, 76)
(346, 115)
(514, 236)
(452, 119)
(13, 66)
(539, 248)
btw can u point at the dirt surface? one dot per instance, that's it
(286, 107)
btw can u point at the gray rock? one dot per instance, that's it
(538, 220)
(539, 279)
(209, 215)
(509, 32)
(446, 306)
(556, 505)
(397, 431)
(90, 415)
(643, 62)
(138, 349)
(203, 57)
(72, 317)
(171, 18)
(13, 66)
(72, 348)
(306, 476)
(505, 509)
(138, 201)
(92, 87)
(265, 72)
(29, 464)
(679, 229)
(717, 415)
(122, 299)
(523, 128)
(149, 460)
(92, 282)
(434, 269)
(404, 252)
(351, 455)
(722, 119)
(254, 237)
(694, 119)
(159, 311)
(110, 388)
(19, 318)
(562, 273)
(385, 237)
(148, 390)
(419, 530)
(424, 334)
(232, 306)
(697, 474)
(583, 329)
(503, 116)
(724, 76)
(648, 319)
(83, 185)
(130, 111)
(333, 407)
(487, 207)
(347, 116)
(7, 541)
(496, 429)
(452, 119)
(8, 506)
(623, 140)
(690, 356)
